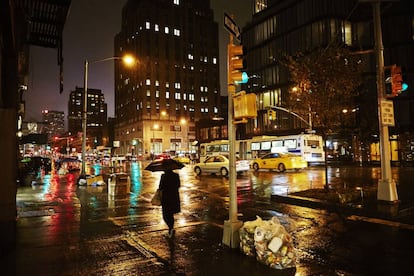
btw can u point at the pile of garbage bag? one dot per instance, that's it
(269, 242)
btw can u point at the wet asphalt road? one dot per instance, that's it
(80, 231)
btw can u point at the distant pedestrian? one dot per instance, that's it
(170, 199)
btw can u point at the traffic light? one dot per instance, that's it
(271, 114)
(396, 80)
(236, 63)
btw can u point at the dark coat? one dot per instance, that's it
(169, 185)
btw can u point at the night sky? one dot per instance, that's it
(89, 34)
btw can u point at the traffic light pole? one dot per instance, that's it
(386, 187)
(232, 225)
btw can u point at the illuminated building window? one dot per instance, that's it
(167, 94)
(167, 84)
(157, 93)
(214, 60)
(157, 83)
(148, 93)
(176, 32)
(260, 5)
(147, 25)
(156, 28)
(148, 82)
(176, 2)
(178, 96)
(166, 30)
(190, 56)
(177, 85)
(347, 33)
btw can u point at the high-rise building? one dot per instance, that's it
(54, 122)
(176, 80)
(96, 114)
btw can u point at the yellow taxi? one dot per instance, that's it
(280, 162)
(183, 159)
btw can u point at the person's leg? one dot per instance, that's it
(169, 219)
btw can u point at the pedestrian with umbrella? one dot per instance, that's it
(169, 186)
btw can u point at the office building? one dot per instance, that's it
(288, 27)
(53, 122)
(96, 115)
(176, 79)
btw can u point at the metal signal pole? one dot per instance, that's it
(387, 190)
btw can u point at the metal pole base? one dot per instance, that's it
(231, 236)
(387, 190)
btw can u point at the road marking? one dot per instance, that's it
(382, 221)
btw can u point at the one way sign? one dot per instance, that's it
(231, 26)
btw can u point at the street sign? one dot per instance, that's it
(387, 113)
(231, 26)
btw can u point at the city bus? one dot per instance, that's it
(310, 146)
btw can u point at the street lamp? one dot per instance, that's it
(129, 61)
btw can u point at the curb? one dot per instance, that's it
(382, 211)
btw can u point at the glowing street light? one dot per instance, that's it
(127, 60)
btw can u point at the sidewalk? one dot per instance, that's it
(401, 212)
(195, 250)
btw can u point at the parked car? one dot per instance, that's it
(30, 168)
(280, 162)
(219, 164)
(36, 163)
(162, 156)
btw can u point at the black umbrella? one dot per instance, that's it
(164, 165)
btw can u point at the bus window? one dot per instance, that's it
(265, 145)
(277, 144)
(312, 143)
(255, 146)
(290, 144)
